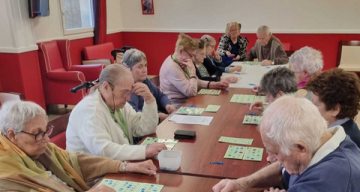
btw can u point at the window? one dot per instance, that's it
(78, 16)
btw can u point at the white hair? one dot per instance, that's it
(132, 57)
(306, 59)
(263, 29)
(15, 114)
(291, 120)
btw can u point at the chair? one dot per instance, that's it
(349, 56)
(100, 53)
(58, 136)
(287, 48)
(59, 75)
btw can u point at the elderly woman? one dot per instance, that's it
(274, 84)
(206, 71)
(268, 49)
(213, 60)
(313, 157)
(336, 93)
(306, 64)
(29, 162)
(137, 62)
(232, 46)
(178, 78)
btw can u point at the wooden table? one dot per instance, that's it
(198, 153)
(171, 182)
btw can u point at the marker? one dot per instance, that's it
(217, 163)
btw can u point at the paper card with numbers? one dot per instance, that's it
(169, 143)
(244, 153)
(130, 186)
(251, 120)
(253, 154)
(190, 111)
(209, 92)
(212, 108)
(246, 99)
(236, 140)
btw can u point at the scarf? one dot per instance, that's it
(18, 170)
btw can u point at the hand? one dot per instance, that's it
(154, 149)
(162, 116)
(271, 189)
(229, 54)
(226, 185)
(101, 188)
(170, 108)
(219, 85)
(146, 167)
(235, 69)
(266, 62)
(143, 90)
(217, 55)
(258, 106)
(189, 65)
(230, 79)
(236, 58)
(255, 89)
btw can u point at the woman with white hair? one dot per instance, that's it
(306, 63)
(309, 156)
(137, 62)
(28, 162)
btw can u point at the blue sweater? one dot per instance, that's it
(137, 102)
(353, 131)
(338, 171)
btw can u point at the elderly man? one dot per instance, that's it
(103, 123)
(306, 63)
(268, 48)
(313, 157)
(28, 162)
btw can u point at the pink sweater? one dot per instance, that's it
(174, 83)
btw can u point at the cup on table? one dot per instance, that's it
(169, 160)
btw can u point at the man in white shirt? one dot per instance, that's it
(103, 123)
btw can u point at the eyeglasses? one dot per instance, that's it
(39, 136)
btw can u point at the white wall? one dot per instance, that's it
(114, 16)
(287, 16)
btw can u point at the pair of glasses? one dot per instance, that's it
(39, 136)
(190, 55)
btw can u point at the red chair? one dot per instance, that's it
(59, 75)
(100, 53)
(58, 136)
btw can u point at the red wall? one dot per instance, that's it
(19, 72)
(157, 45)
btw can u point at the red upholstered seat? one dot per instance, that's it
(59, 75)
(59, 140)
(99, 52)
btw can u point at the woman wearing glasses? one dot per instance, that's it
(29, 162)
(178, 78)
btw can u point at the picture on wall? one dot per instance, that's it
(147, 7)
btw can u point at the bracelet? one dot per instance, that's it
(208, 85)
(193, 77)
(123, 166)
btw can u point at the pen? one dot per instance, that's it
(217, 163)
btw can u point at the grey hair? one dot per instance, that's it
(291, 120)
(231, 24)
(112, 73)
(15, 114)
(306, 59)
(208, 39)
(278, 79)
(132, 57)
(263, 29)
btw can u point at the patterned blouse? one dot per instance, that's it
(225, 45)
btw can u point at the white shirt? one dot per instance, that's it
(92, 129)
